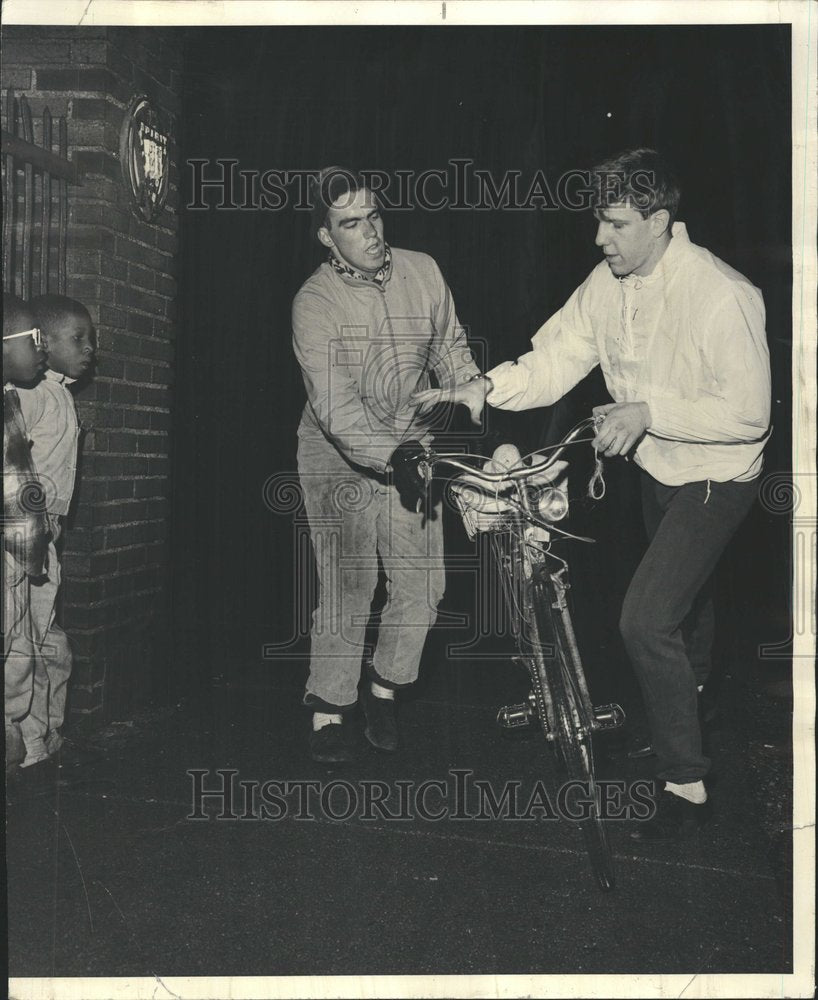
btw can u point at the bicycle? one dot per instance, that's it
(519, 507)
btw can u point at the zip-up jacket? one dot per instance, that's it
(365, 348)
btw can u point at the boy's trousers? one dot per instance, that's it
(18, 653)
(53, 661)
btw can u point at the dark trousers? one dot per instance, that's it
(667, 615)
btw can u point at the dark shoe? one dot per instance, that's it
(675, 819)
(330, 745)
(381, 727)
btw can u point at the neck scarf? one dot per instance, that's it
(379, 278)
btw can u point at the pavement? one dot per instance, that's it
(108, 874)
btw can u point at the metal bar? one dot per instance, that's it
(570, 646)
(9, 200)
(62, 187)
(28, 203)
(541, 630)
(45, 225)
(41, 159)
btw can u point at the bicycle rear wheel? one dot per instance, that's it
(573, 714)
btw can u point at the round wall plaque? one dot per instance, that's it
(144, 158)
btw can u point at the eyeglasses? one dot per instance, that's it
(34, 333)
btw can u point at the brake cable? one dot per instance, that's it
(596, 484)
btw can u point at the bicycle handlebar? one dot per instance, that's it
(519, 472)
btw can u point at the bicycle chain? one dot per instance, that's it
(539, 696)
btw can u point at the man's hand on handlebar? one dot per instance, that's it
(471, 394)
(622, 427)
(406, 476)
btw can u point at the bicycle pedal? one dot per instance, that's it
(609, 716)
(518, 716)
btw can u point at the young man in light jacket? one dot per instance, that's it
(370, 326)
(680, 338)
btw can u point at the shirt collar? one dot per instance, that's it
(58, 377)
(674, 249)
(379, 278)
(678, 244)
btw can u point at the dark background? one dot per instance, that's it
(715, 100)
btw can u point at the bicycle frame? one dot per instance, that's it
(535, 586)
(528, 536)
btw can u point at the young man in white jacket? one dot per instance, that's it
(680, 338)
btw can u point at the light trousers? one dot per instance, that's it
(18, 642)
(358, 525)
(52, 659)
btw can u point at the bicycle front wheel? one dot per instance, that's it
(573, 714)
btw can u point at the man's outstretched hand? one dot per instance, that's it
(622, 427)
(470, 394)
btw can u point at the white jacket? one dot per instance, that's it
(687, 339)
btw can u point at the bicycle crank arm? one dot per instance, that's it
(608, 716)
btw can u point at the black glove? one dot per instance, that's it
(406, 478)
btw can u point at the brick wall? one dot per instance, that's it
(116, 568)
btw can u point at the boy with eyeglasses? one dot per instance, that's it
(51, 418)
(25, 537)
